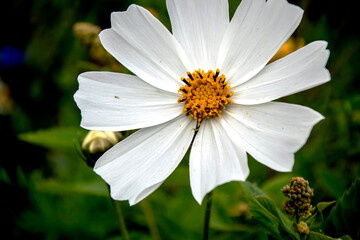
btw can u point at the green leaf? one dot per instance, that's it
(334, 182)
(321, 206)
(346, 237)
(316, 219)
(273, 186)
(53, 186)
(344, 217)
(60, 138)
(267, 214)
(318, 236)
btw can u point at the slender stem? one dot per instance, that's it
(297, 218)
(120, 218)
(207, 216)
(150, 219)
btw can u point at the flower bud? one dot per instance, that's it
(300, 195)
(240, 209)
(289, 208)
(100, 141)
(302, 228)
(86, 32)
(96, 143)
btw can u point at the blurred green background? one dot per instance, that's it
(48, 191)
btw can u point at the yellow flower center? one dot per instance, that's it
(205, 94)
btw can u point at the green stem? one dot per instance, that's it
(207, 216)
(119, 218)
(150, 219)
(297, 220)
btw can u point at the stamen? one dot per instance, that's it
(190, 76)
(186, 82)
(217, 73)
(205, 95)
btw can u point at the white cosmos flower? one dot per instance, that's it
(203, 39)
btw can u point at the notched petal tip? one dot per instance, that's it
(297, 8)
(131, 8)
(118, 16)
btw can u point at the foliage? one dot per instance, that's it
(343, 218)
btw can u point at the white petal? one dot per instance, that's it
(215, 159)
(256, 32)
(296, 72)
(138, 165)
(144, 46)
(272, 132)
(116, 102)
(199, 27)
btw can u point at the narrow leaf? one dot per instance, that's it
(344, 217)
(316, 219)
(267, 214)
(60, 138)
(318, 236)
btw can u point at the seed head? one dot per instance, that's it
(300, 195)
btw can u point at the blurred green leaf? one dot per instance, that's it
(272, 187)
(334, 182)
(346, 237)
(321, 206)
(318, 236)
(344, 217)
(267, 213)
(59, 138)
(179, 178)
(216, 225)
(4, 177)
(316, 219)
(54, 186)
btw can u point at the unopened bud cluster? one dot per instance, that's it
(300, 195)
(302, 228)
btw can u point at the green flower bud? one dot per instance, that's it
(302, 228)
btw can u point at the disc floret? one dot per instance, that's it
(205, 95)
